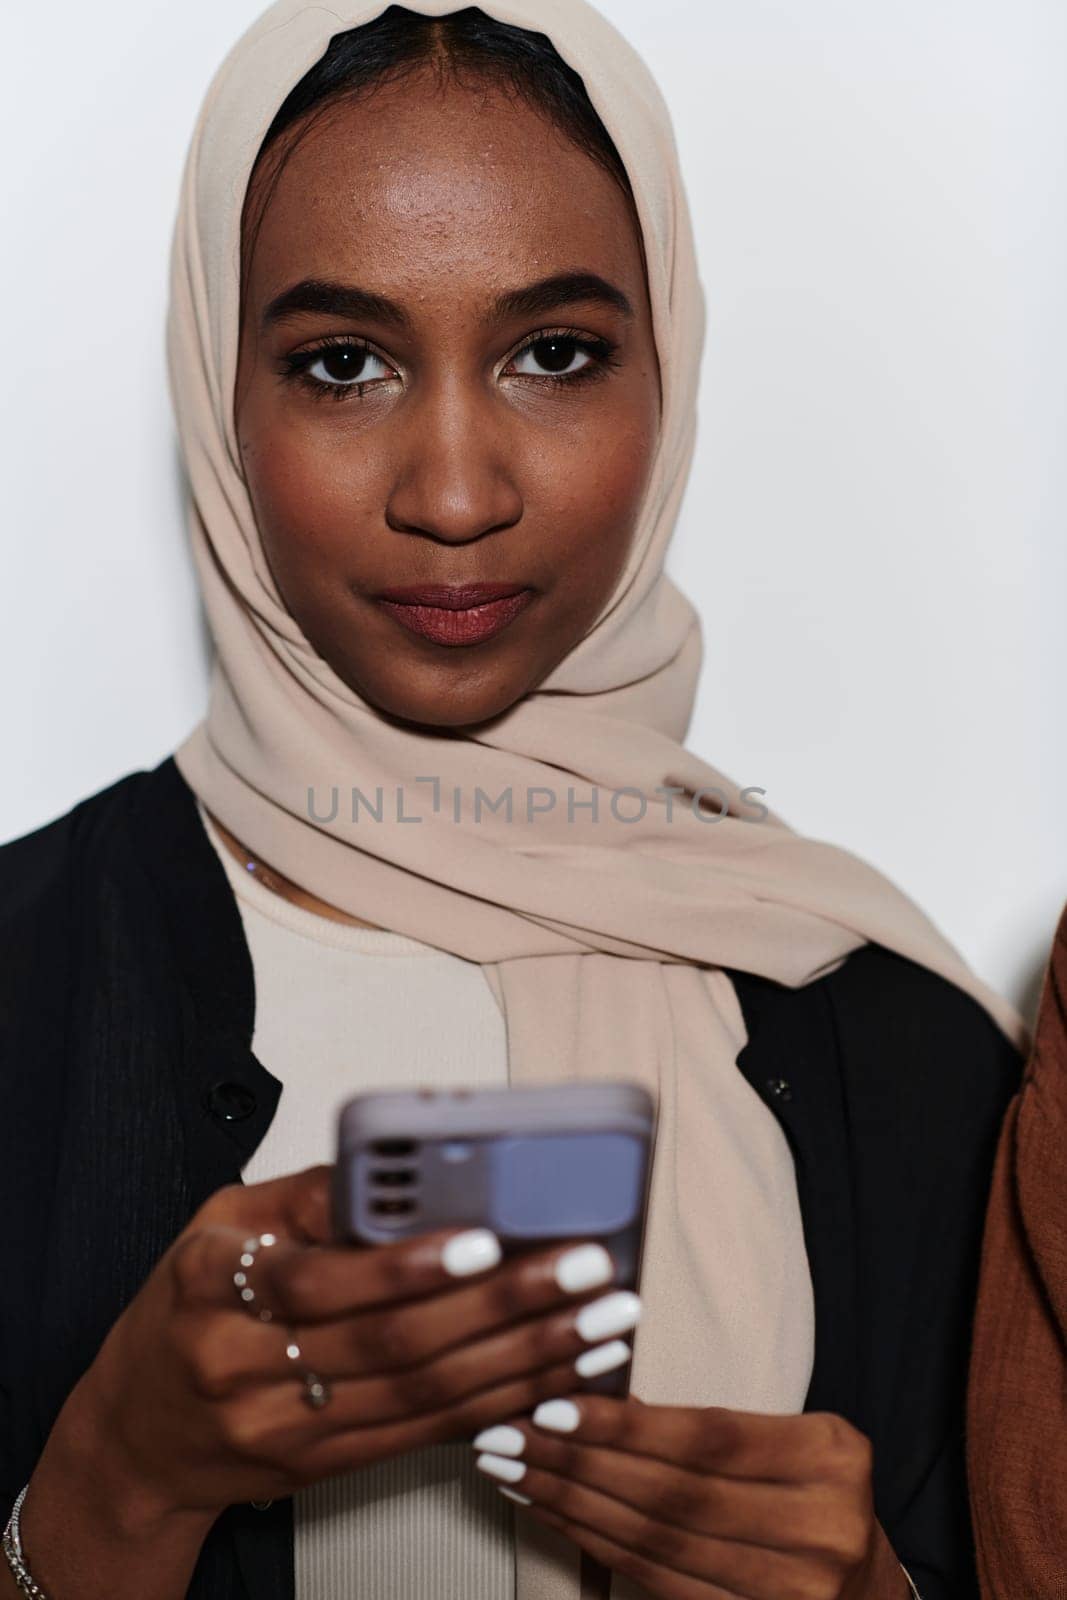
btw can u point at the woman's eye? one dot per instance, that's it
(554, 356)
(344, 364)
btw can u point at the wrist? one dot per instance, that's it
(83, 1453)
(80, 1544)
(885, 1577)
(90, 1528)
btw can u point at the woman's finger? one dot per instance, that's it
(677, 1556)
(304, 1284)
(774, 1515)
(390, 1391)
(275, 1430)
(650, 1575)
(314, 1283)
(355, 1309)
(451, 1335)
(808, 1448)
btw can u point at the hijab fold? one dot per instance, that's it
(602, 936)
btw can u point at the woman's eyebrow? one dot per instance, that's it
(563, 288)
(323, 297)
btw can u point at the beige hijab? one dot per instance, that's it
(601, 937)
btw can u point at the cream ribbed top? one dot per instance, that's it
(339, 1010)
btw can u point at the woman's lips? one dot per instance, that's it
(457, 616)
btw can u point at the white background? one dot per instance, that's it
(874, 532)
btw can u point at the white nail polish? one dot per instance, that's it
(501, 1440)
(474, 1251)
(603, 1319)
(584, 1268)
(603, 1359)
(513, 1494)
(501, 1467)
(562, 1416)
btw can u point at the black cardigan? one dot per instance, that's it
(130, 1093)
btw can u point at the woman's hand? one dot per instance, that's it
(695, 1504)
(192, 1403)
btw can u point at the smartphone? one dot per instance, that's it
(534, 1164)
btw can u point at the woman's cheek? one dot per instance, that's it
(306, 500)
(597, 518)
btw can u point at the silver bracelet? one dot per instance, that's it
(13, 1552)
(915, 1595)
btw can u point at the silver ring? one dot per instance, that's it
(245, 1291)
(317, 1391)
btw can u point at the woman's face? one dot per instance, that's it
(447, 376)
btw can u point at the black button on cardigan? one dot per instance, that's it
(130, 1093)
(233, 1102)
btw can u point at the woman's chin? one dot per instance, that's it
(448, 703)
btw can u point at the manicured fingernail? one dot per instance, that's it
(603, 1319)
(501, 1467)
(561, 1415)
(513, 1494)
(505, 1441)
(584, 1268)
(603, 1359)
(474, 1251)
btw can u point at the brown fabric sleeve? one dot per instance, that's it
(1017, 1401)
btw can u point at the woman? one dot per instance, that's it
(436, 326)
(1017, 1405)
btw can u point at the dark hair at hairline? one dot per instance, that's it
(465, 45)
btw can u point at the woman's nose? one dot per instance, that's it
(454, 479)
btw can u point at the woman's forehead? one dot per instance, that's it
(456, 186)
